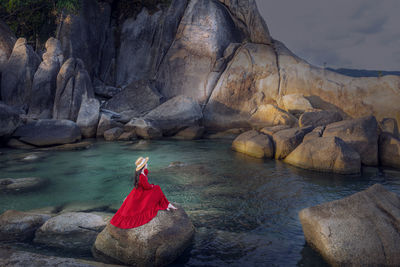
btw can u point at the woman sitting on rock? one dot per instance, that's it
(143, 202)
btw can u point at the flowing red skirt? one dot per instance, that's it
(140, 207)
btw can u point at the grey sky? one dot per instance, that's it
(361, 34)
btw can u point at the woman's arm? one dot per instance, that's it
(144, 182)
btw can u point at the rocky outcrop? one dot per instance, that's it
(113, 134)
(106, 122)
(249, 83)
(295, 103)
(361, 134)
(271, 115)
(316, 133)
(190, 133)
(17, 75)
(270, 130)
(389, 150)
(45, 81)
(359, 230)
(254, 144)
(286, 141)
(71, 230)
(9, 120)
(319, 118)
(48, 132)
(160, 241)
(20, 185)
(7, 41)
(389, 125)
(175, 114)
(145, 40)
(143, 128)
(73, 86)
(325, 154)
(20, 226)
(88, 117)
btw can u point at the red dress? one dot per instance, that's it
(141, 205)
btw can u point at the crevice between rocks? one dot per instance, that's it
(278, 67)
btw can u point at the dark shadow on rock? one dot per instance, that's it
(319, 103)
(311, 258)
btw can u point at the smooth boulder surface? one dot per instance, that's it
(175, 114)
(389, 150)
(286, 141)
(270, 130)
(319, 118)
(88, 117)
(48, 132)
(20, 185)
(296, 103)
(254, 144)
(190, 133)
(113, 134)
(143, 128)
(361, 134)
(161, 240)
(271, 115)
(20, 226)
(359, 230)
(9, 120)
(71, 231)
(316, 133)
(325, 154)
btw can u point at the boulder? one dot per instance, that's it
(389, 150)
(190, 133)
(20, 185)
(143, 128)
(113, 134)
(389, 125)
(161, 240)
(48, 132)
(361, 134)
(7, 41)
(359, 230)
(106, 91)
(106, 122)
(296, 103)
(270, 130)
(73, 86)
(15, 143)
(9, 120)
(286, 141)
(319, 118)
(127, 136)
(69, 147)
(45, 81)
(254, 144)
(228, 134)
(175, 114)
(20, 226)
(139, 96)
(325, 154)
(17, 75)
(316, 133)
(88, 117)
(71, 231)
(272, 116)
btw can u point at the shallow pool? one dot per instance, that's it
(244, 209)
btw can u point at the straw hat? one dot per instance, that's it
(140, 162)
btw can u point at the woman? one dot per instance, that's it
(143, 202)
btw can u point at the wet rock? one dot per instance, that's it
(140, 145)
(325, 154)
(20, 226)
(15, 143)
(286, 141)
(113, 134)
(317, 132)
(389, 125)
(190, 133)
(296, 103)
(254, 144)
(154, 238)
(88, 117)
(389, 150)
(20, 185)
(9, 120)
(270, 130)
(175, 114)
(48, 132)
(319, 118)
(127, 136)
(71, 231)
(361, 134)
(68, 147)
(106, 122)
(143, 128)
(359, 230)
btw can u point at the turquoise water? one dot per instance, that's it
(244, 209)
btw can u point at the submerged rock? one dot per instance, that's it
(359, 230)
(20, 226)
(160, 241)
(20, 185)
(254, 144)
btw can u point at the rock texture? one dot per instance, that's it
(88, 117)
(361, 134)
(160, 241)
(17, 75)
(106, 122)
(45, 81)
(389, 125)
(389, 150)
(9, 120)
(143, 128)
(254, 144)
(48, 132)
(325, 154)
(113, 134)
(295, 103)
(190, 133)
(71, 230)
(359, 230)
(7, 41)
(319, 118)
(286, 141)
(20, 226)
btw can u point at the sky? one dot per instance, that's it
(359, 34)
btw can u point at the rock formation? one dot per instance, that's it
(254, 144)
(9, 120)
(7, 41)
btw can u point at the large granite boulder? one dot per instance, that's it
(190, 133)
(45, 81)
(9, 120)
(20, 226)
(175, 114)
(319, 118)
(71, 231)
(73, 85)
(254, 144)
(21, 185)
(286, 141)
(7, 41)
(156, 243)
(106, 122)
(143, 128)
(88, 117)
(316, 133)
(361, 134)
(325, 154)
(17, 75)
(389, 150)
(295, 103)
(145, 40)
(113, 134)
(359, 230)
(270, 115)
(389, 125)
(48, 132)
